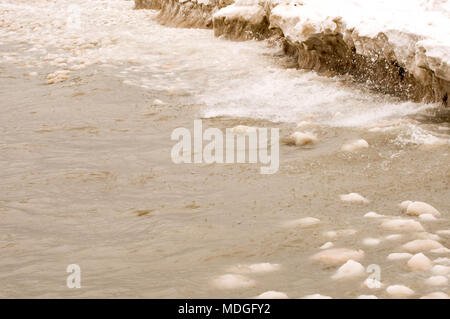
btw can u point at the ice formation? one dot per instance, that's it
(397, 47)
(230, 281)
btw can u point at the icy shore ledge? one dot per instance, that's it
(398, 47)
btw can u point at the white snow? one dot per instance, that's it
(245, 10)
(417, 31)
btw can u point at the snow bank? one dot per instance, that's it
(411, 37)
(243, 20)
(184, 13)
(397, 47)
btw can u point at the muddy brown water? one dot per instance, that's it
(86, 175)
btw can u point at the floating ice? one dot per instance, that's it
(350, 269)
(420, 208)
(327, 245)
(302, 138)
(230, 281)
(371, 241)
(436, 295)
(399, 256)
(373, 215)
(421, 245)
(443, 261)
(440, 270)
(272, 295)
(158, 102)
(367, 297)
(302, 222)
(399, 291)
(354, 198)
(425, 235)
(427, 217)
(393, 237)
(338, 255)
(419, 262)
(340, 233)
(404, 205)
(445, 232)
(402, 225)
(355, 145)
(317, 296)
(442, 250)
(437, 281)
(255, 268)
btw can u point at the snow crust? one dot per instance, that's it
(416, 33)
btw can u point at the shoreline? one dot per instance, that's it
(376, 60)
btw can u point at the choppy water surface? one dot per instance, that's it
(88, 102)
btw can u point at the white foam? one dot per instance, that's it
(255, 268)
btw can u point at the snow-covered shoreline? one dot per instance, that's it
(398, 47)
